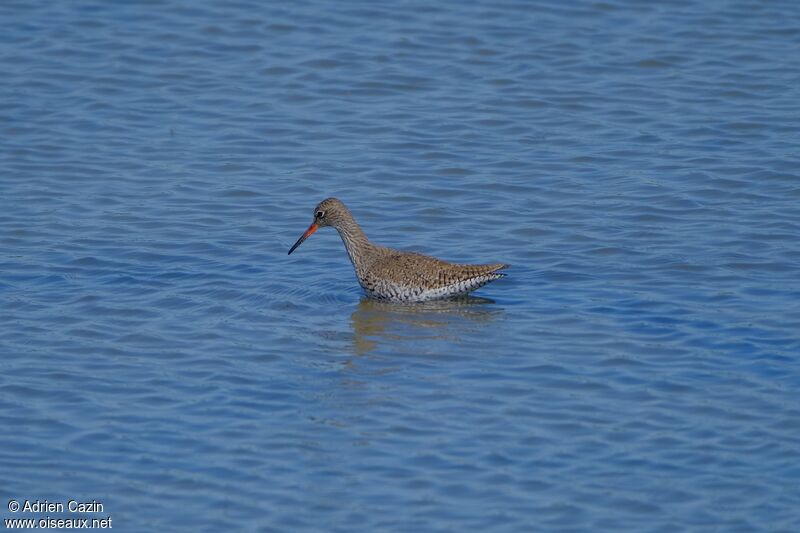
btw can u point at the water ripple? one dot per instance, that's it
(635, 164)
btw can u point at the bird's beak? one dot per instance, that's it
(311, 229)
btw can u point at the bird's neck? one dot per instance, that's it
(358, 246)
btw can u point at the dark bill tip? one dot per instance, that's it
(311, 229)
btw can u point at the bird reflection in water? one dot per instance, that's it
(377, 322)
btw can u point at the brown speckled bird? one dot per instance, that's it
(387, 274)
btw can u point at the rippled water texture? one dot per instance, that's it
(637, 164)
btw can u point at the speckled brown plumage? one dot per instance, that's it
(389, 274)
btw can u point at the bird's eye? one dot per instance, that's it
(319, 214)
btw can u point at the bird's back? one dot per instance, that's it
(413, 277)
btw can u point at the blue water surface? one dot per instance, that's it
(636, 162)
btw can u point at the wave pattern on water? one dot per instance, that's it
(636, 164)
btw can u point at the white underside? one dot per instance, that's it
(402, 293)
